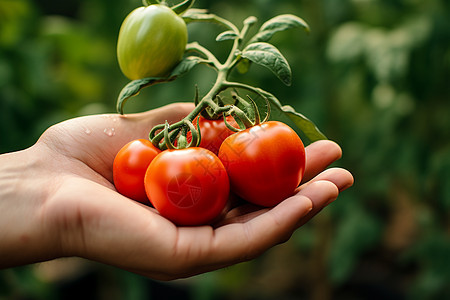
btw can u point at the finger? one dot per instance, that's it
(342, 178)
(320, 155)
(315, 191)
(241, 214)
(239, 242)
(242, 241)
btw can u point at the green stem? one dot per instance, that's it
(250, 88)
(226, 23)
(233, 59)
(150, 2)
(196, 47)
(208, 101)
(182, 7)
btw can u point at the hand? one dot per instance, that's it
(57, 199)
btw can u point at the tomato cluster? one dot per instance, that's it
(263, 164)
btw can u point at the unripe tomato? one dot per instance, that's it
(152, 40)
(265, 163)
(129, 167)
(188, 186)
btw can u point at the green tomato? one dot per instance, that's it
(152, 40)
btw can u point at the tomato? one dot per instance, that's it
(129, 167)
(188, 186)
(213, 132)
(151, 41)
(265, 163)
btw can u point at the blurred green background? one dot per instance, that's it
(374, 75)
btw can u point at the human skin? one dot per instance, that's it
(57, 200)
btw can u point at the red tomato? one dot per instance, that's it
(265, 163)
(188, 186)
(213, 132)
(129, 167)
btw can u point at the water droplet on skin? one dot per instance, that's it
(87, 131)
(109, 131)
(110, 117)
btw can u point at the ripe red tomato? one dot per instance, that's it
(265, 163)
(188, 186)
(129, 167)
(213, 132)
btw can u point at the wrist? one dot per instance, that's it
(24, 233)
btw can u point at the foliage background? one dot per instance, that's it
(373, 74)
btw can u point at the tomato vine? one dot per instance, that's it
(244, 51)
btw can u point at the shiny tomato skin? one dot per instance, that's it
(265, 163)
(129, 167)
(151, 41)
(190, 187)
(213, 132)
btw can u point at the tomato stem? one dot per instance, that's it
(150, 2)
(212, 61)
(182, 7)
(211, 103)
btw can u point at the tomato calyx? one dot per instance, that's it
(164, 136)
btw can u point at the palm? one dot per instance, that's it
(98, 223)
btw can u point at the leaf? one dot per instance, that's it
(134, 87)
(198, 15)
(276, 24)
(243, 66)
(303, 123)
(202, 15)
(269, 56)
(227, 35)
(186, 65)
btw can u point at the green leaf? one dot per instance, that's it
(186, 65)
(308, 128)
(202, 15)
(269, 56)
(134, 87)
(227, 35)
(243, 66)
(250, 21)
(276, 24)
(198, 15)
(303, 123)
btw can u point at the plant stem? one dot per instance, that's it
(196, 47)
(221, 83)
